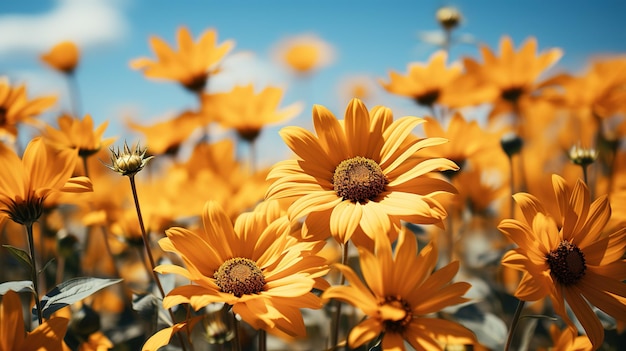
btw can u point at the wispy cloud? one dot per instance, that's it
(86, 22)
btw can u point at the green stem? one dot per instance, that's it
(146, 243)
(236, 341)
(74, 94)
(335, 322)
(262, 340)
(512, 187)
(514, 322)
(33, 270)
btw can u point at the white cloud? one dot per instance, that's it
(86, 22)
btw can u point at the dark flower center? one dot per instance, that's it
(3, 116)
(240, 276)
(397, 326)
(512, 94)
(567, 263)
(25, 212)
(359, 179)
(428, 98)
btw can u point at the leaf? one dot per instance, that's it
(20, 254)
(490, 330)
(43, 269)
(71, 291)
(17, 286)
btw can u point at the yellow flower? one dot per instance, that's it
(511, 78)
(47, 336)
(15, 108)
(76, 134)
(466, 138)
(247, 112)
(63, 57)
(255, 266)
(167, 136)
(25, 184)
(568, 257)
(358, 178)
(427, 84)
(191, 65)
(399, 293)
(304, 53)
(567, 340)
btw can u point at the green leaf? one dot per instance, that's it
(17, 286)
(71, 291)
(43, 269)
(21, 255)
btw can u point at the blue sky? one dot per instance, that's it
(370, 38)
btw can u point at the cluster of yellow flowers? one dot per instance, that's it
(380, 233)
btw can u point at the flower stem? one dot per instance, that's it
(262, 340)
(236, 341)
(512, 187)
(74, 94)
(144, 235)
(146, 243)
(514, 322)
(33, 270)
(335, 322)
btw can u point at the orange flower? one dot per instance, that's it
(47, 336)
(567, 340)
(247, 112)
(304, 53)
(512, 77)
(358, 178)
(255, 266)
(427, 84)
(15, 108)
(76, 134)
(64, 57)
(25, 184)
(466, 138)
(569, 258)
(191, 65)
(167, 136)
(399, 293)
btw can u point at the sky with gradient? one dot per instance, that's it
(369, 38)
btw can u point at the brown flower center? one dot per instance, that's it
(567, 263)
(25, 211)
(428, 98)
(3, 115)
(397, 325)
(240, 276)
(359, 179)
(512, 94)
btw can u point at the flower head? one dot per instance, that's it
(191, 64)
(448, 17)
(358, 178)
(128, 162)
(79, 134)
(63, 57)
(398, 293)
(510, 79)
(304, 53)
(255, 266)
(582, 156)
(567, 257)
(16, 108)
(43, 170)
(428, 83)
(247, 112)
